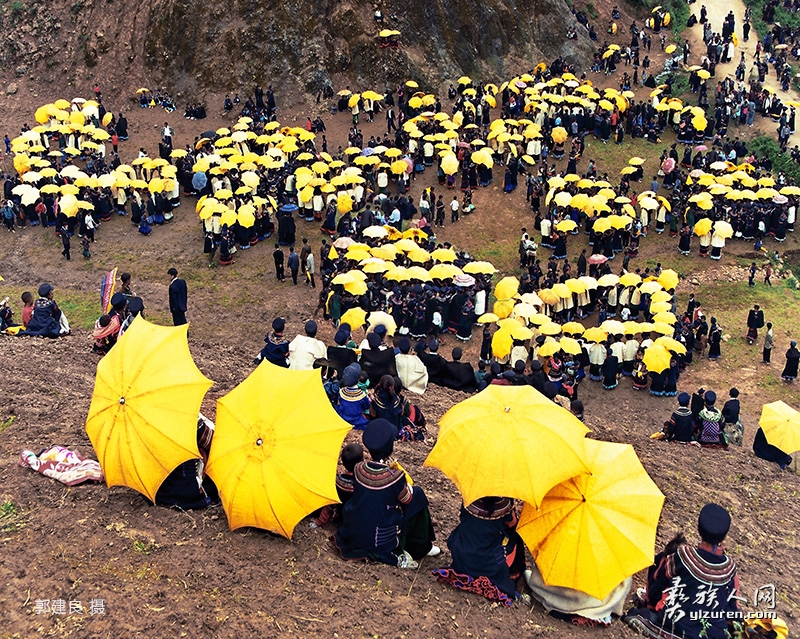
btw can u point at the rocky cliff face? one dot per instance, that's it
(201, 45)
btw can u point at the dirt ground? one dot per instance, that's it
(165, 573)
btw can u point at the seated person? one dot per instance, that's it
(410, 369)
(304, 350)
(276, 349)
(459, 375)
(575, 606)
(386, 520)
(6, 315)
(47, 319)
(386, 404)
(107, 328)
(339, 356)
(734, 429)
(353, 404)
(352, 454)
(377, 362)
(709, 423)
(680, 427)
(763, 449)
(27, 308)
(188, 487)
(680, 581)
(488, 554)
(435, 364)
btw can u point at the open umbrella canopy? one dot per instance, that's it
(595, 334)
(781, 425)
(657, 358)
(276, 448)
(594, 530)
(508, 440)
(143, 417)
(356, 317)
(506, 288)
(668, 279)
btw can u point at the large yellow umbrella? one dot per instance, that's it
(781, 425)
(508, 440)
(703, 226)
(506, 288)
(668, 279)
(143, 417)
(594, 530)
(276, 448)
(356, 317)
(657, 358)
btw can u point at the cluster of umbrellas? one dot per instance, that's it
(612, 211)
(34, 161)
(523, 317)
(400, 246)
(275, 446)
(734, 182)
(590, 509)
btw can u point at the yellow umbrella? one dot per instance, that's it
(671, 344)
(508, 440)
(570, 345)
(594, 530)
(670, 48)
(665, 317)
(662, 328)
(549, 296)
(276, 448)
(630, 279)
(657, 358)
(449, 164)
(781, 425)
(550, 328)
(381, 317)
(143, 417)
(488, 318)
(548, 349)
(615, 327)
(723, 229)
(484, 268)
(506, 288)
(652, 287)
(573, 328)
(659, 307)
(444, 255)
(668, 279)
(559, 134)
(356, 317)
(565, 226)
(595, 334)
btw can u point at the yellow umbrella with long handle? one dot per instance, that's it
(142, 421)
(276, 448)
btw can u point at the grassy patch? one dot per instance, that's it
(5, 424)
(781, 162)
(11, 517)
(82, 309)
(144, 547)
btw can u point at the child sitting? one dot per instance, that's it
(352, 454)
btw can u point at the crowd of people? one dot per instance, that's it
(395, 293)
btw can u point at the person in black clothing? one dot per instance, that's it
(460, 375)
(764, 450)
(582, 263)
(680, 427)
(277, 256)
(177, 298)
(755, 320)
(730, 415)
(64, 232)
(435, 363)
(294, 264)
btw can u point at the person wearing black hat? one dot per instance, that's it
(339, 355)
(410, 369)
(734, 429)
(764, 450)
(178, 294)
(276, 350)
(459, 375)
(434, 363)
(709, 422)
(377, 360)
(304, 350)
(789, 373)
(691, 590)
(755, 320)
(47, 319)
(680, 427)
(386, 520)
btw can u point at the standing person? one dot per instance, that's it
(277, 256)
(768, 274)
(310, 269)
(752, 279)
(789, 373)
(768, 343)
(714, 340)
(178, 294)
(439, 212)
(90, 224)
(755, 320)
(293, 262)
(64, 232)
(454, 210)
(305, 251)
(166, 133)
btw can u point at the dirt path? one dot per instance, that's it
(716, 15)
